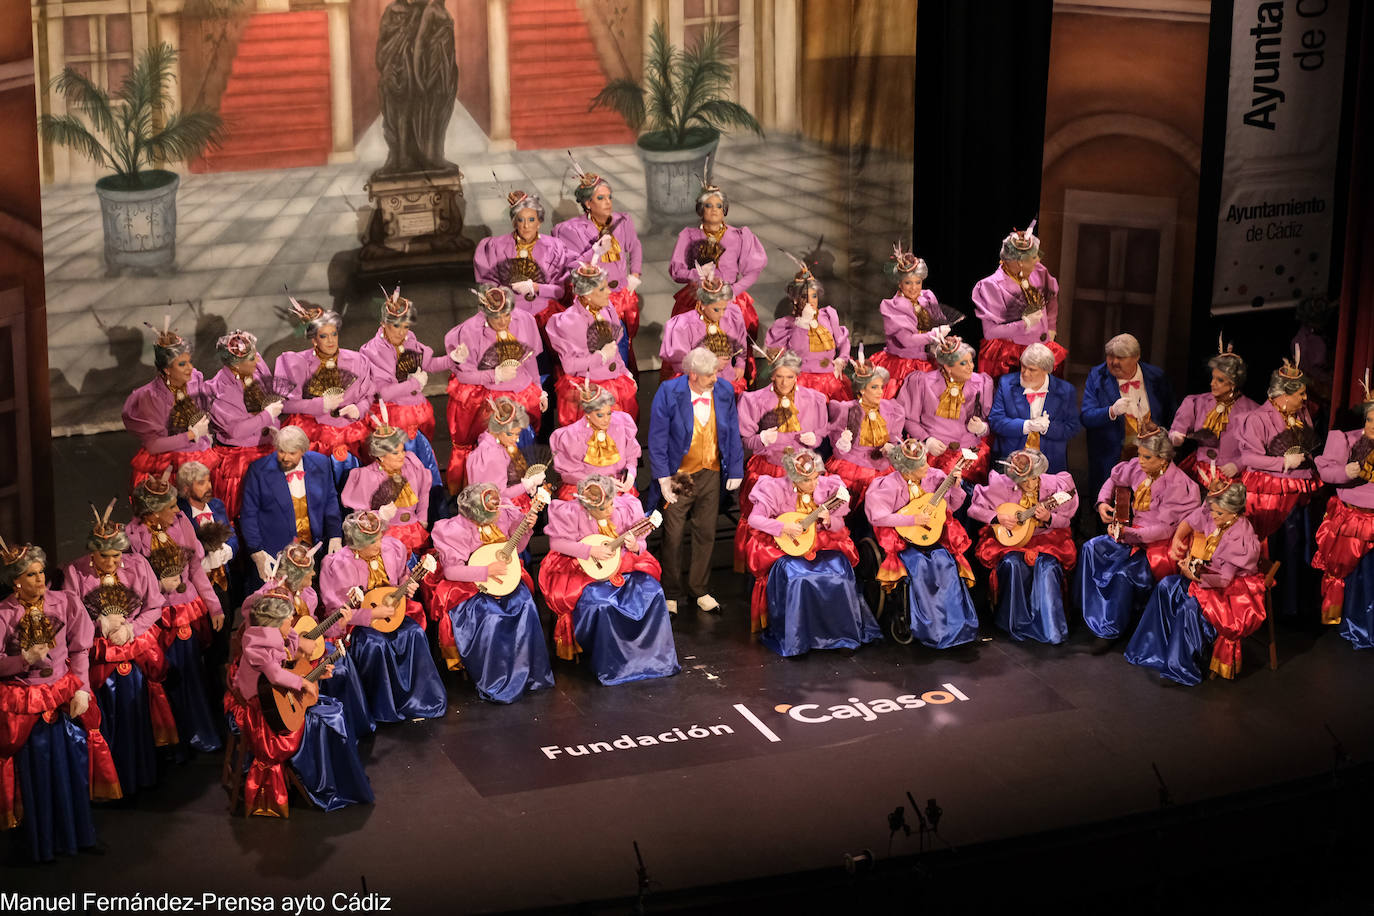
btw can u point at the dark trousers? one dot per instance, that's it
(697, 516)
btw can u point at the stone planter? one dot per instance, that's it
(672, 179)
(140, 225)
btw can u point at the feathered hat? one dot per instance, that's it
(594, 494)
(801, 464)
(494, 300)
(903, 262)
(1025, 463)
(396, 309)
(236, 346)
(11, 555)
(167, 343)
(1021, 244)
(907, 456)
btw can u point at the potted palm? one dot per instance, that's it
(129, 133)
(681, 110)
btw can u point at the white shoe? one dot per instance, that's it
(708, 604)
(672, 605)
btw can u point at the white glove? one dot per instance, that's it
(1291, 460)
(1352, 470)
(601, 245)
(355, 595)
(110, 623)
(531, 482)
(1176, 439)
(632, 282)
(261, 560)
(609, 352)
(216, 558)
(525, 288)
(977, 425)
(768, 436)
(845, 442)
(81, 701)
(807, 439)
(504, 373)
(1032, 319)
(1121, 406)
(935, 448)
(1051, 335)
(543, 401)
(420, 377)
(349, 411)
(331, 402)
(201, 428)
(733, 483)
(665, 486)
(274, 409)
(1040, 424)
(334, 545)
(459, 354)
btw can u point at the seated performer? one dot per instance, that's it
(120, 592)
(395, 478)
(493, 355)
(395, 668)
(693, 440)
(321, 751)
(168, 414)
(1346, 533)
(586, 337)
(939, 607)
(288, 496)
(947, 409)
(735, 252)
(814, 334)
(400, 366)
(716, 324)
(912, 319)
(50, 767)
(1033, 409)
(330, 387)
(497, 458)
(861, 429)
(211, 521)
(244, 408)
(498, 639)
(535, 266)
(1214, 601)
(1120, 396)
(1034, 508)
(1018, 304)
(1207, 419)
(191, 611)
(806, 601)
(604, 441)
(618, 618)
(1118, 570)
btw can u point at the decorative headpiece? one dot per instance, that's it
(309, 317)
(1292, 370)
(363, 528)
(299, 556)
(586, 181)
(903, 262)
(103, 527)
(862, 371)
(707, 186)
(506, 415)
(587, 278)
(494, 300)
(396, 309)
(519, 200)
(1289, 377)
(237, 346)
(596, 491)
(11, 555)
(167, 344)
(1228, 363)
(153, 494)
(907, 455)
(1228, 494)
(1021, 244)
(945, 345)
(385, 439)
(1218, 484)
(1025, 463)
(802, 280)
(801, 464)
(1368, 400)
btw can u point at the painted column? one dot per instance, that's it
(498, 70)
(340, 83)
(786, 50)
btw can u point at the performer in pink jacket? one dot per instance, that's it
(912, 319)
(535, 266)
(603, 442)
(1212, 419)
(861, 429)
(1347, 532)
(736, 254)
(715, 323)
(400, 367)
(245, 410)
(813, 333)
(947, 409)
(168, 415)
(497, 458)
(330, 387)
(586, 339)
(395, 478)
(1018, 304)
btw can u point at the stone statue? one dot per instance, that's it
(418, 82)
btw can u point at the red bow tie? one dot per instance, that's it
(1129, 386)
(203, 517)
(701, 399)
(1032, 395)
(297, 474)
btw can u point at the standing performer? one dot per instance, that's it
(618, 618)
(497, 458)
(1207, 418)
(534, 265)
(499, 640)
(289, 496)
(1120, 397)
(191, 612)
(947, 410)
(939, 608)
(1035, 410)
(1028, 573)
(1346, 534)
(120, 592)
(586, 339)
(694, 438)
(861, 429)
(1018, 304)
(1117, 571)
(331, 388)
(168, 414)
(808, 600)
(245, 408)
(395, 478)
(493, 354)
(715, 324)
(50, 767)
(1214, 601)
(400, 366)
(604, 441)
(912, 320)
(216, 533)
(395, 668)
(813, 333)
(735, 252)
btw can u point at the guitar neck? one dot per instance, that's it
(316, 631)
(815, 513)
(1027, 513)
(314, 674)
(513, 542)
(637, 530)
(948, 482)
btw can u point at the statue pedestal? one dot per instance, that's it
(417, 221)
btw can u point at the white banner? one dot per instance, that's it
(1283, 114)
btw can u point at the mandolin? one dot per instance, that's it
(502, 585)
(393, 597)
(284, 710)
(307, 627)
(1197, 553)
(800, 545)
(601, 570)
(1025, 519)
(1123, 511)
(934, 505)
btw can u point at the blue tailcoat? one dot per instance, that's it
(219, 514)
(670, 432)
(1105, 435)
(268, 519)
(1010, 409)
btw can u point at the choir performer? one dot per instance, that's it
(330, 387)
(736, 254)
(1212, 419)
(400, 367)
(716, 324)
(1035, 410)
(497, 458)
(245, 410)
(535, 266)
(168, 415)
(948, 409)
(912, 319)
(585, 338)
(605, 441)
(397, 479)
(289, 496)
(1346, 534)
(815, 334)
(862, 428)
(1018, 304)
(1120, 396)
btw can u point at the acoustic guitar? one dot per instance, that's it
(601, 570)
(1197, 553)
(934, 505)
(500, 586)
(308, 628)
(393, 597)
(284, 710)
(799, 545)
(1020, 535)
(1123, 511)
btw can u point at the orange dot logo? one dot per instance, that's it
(782, 708)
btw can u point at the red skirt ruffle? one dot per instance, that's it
(977, 472)
(145, 464)
(264, 787)
(1345, 535)
(953, 538)
(998, 357)
(856, 477)
(561, 581)
(757, 466)
(1157, 555)
(412, 418)
(145, 652)
(227, 479)
(1235, 611)
(468, 412)
(326, 439)
(898, 368)
(1270, 499)
(1057, 542)
(413, 535)
(836, 389)
(570, 409)
(182, 621)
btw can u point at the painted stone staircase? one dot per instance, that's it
(276, 104)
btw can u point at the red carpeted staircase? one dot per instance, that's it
(555, 72)
(276, 105)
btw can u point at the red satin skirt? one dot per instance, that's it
(145, 652)
(977, 472)
(761, 551)
(441, 596)
(468, 412)
(561, 580)
(227, 479)
(413, 535)
(1056, 542)
(325, 439)
(1200, 471)
(953, 538)
(145, 464)
(412, 418)
(570, 408)
(998, 357)
(856, 477)
(1270, 499)
(182, 621)
(1157, 555)
(1345, 535)
(757, 466)
(264, 788)
(836, 389)
(1235, 611)
(898, 368)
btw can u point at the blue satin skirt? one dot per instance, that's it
(189, 695)
(1111, 583)
(941, 608)
(624, 631)
(814, 604)
(346, 686)
(1357, 612)
(53, 772)
(398, 674)
(1030, 600)
(127, 725)
(327, 760)
(1173, 638)
(502, 645)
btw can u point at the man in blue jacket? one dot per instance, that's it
(693, 440)
(289, 495)
(1118, 397)
(1033, 409)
